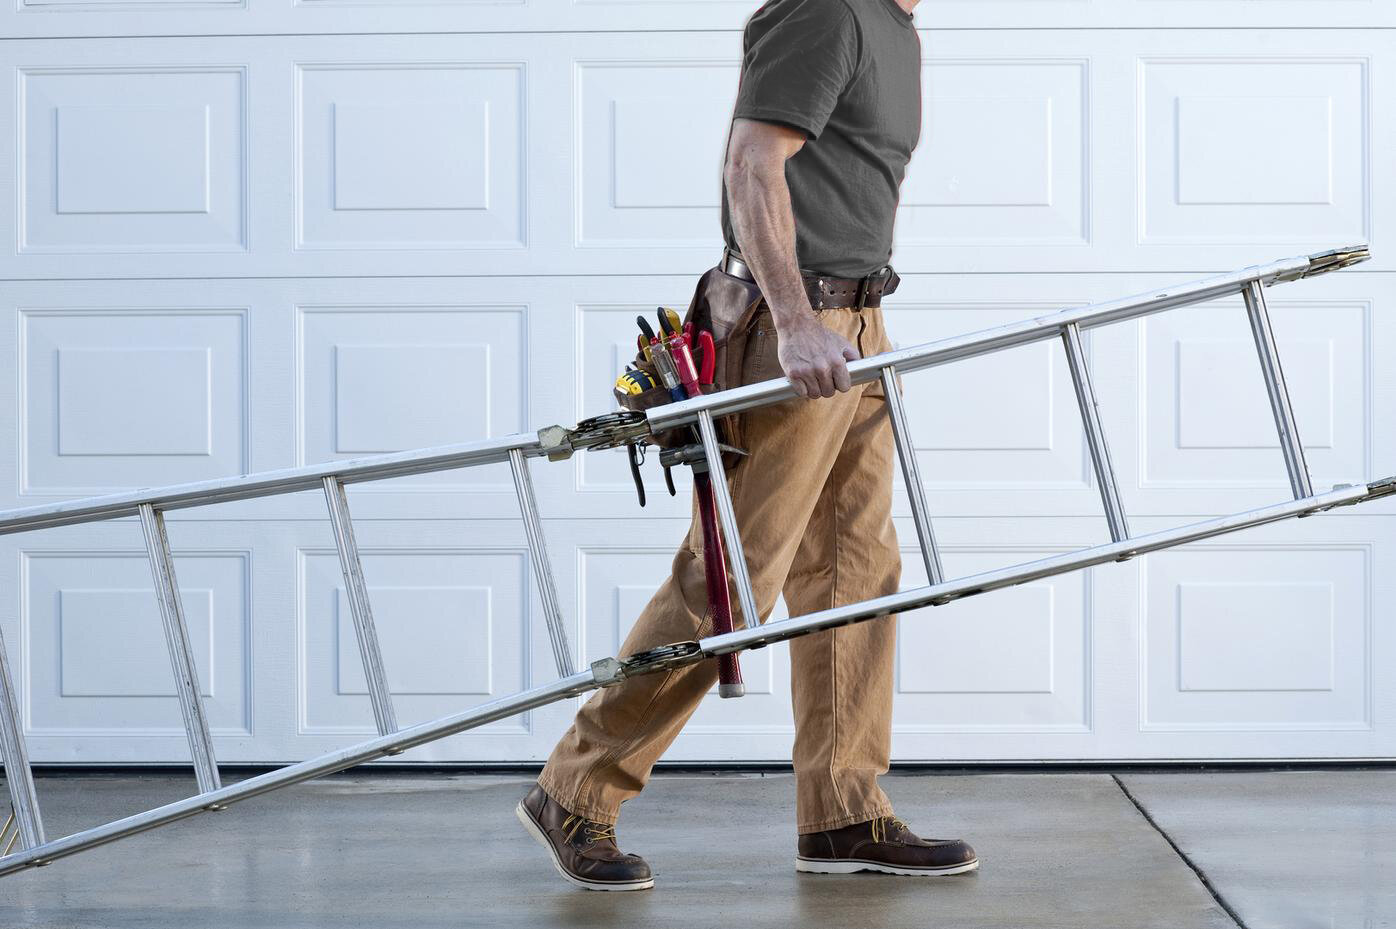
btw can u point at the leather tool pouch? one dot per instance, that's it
(718, 297)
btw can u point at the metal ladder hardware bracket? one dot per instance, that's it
(614, 430)
(1332, 260)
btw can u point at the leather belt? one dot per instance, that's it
(827, 291)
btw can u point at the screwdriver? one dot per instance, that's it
(663, 361)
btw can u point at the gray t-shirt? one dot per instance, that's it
(848, 74)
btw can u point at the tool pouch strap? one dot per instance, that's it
(725, 297)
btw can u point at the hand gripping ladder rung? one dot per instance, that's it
(558, 443)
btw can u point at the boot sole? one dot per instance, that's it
(541, 838)
(853, 865)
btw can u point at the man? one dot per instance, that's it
(828, 113)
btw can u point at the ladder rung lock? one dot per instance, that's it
(25, 830)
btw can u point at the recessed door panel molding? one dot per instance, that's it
(1017, 663)
(453, 627)
(1247, 638)
(97, 665)
(379, 379)
(132, 160)
(1245, 150)
(118, 397)
(410, 155)
(1004, 155)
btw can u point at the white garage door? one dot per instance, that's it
(298, 236)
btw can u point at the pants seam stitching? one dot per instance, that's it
(834, 657)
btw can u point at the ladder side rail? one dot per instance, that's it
(1278, 393)
(916, 598)
(986, 341)
(542, 567)
(360, 607)
(1095, 432)
(911, 475)
(665, 416)
(186, 674)
(19, 777)
(610, 671)
(736, 556)
(268, 483)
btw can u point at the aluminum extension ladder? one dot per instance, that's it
(610, 430)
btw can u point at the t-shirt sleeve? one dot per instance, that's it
(801, 56)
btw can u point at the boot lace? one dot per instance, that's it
(592, 830)
(882, 824)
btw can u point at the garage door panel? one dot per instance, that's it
(1249, 151)
(1004, 155)
(408, 155)
(246, 238)
(1247, 638)
(1017, 660)
(1207, 407)
(130, 396)
(133, 160)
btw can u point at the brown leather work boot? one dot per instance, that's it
(583, 851)
(886, 845)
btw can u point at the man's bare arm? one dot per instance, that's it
(815, 359)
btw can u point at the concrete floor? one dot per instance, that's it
(1075, 851)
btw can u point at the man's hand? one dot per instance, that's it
(815, 359)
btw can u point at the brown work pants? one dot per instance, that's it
(813, 503)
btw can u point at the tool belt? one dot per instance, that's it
(734, 298)
(730, 292)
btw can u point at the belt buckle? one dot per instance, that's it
(863, 285)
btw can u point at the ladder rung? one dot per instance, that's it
(186, 675)
(356, 590)
(19, 778)
(725, 514)
(1095, 433)
(911, 474)
(538, 550)
(1293, 450)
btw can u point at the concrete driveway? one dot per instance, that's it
(1063, 850)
